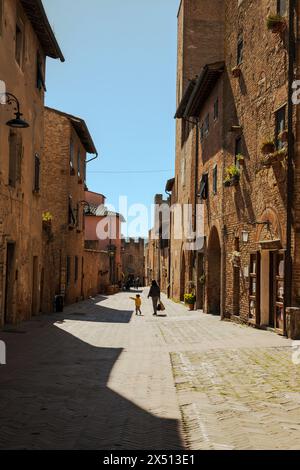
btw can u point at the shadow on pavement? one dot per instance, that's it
(54, 395)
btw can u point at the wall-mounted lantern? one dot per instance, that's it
(245, 236)
(17, 122)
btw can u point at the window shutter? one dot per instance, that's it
(203, 194)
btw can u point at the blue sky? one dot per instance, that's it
(120, 76)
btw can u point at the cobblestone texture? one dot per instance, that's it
(98, 377)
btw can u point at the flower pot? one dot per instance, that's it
(227, 183)
(236, 72)
(266, 162)
(191, 307)
(268, 148)
(278, 27)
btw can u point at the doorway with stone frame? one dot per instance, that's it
(266, 304)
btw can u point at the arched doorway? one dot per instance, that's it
(214, 273)
(182, 277)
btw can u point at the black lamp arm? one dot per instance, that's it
(12, 99)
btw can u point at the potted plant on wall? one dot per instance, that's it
(190, 300)
(276, 23)
(202, 279)
(232, 177)
(47, 220)
(268, 146)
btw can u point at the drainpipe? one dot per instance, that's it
(290, 169)
(169, 247)
(195, 205)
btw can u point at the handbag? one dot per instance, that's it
(162, 307)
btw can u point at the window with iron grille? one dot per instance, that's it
(37, 166)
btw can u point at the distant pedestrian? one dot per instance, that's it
(137, 282)
(154, 293)
(138, 304)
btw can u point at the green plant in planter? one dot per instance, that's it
(268, 146)
(276, 23)
(190, 299)
(232, 176)
(202, 279)
(47, 217)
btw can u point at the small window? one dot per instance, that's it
(37, 166)
(15, 158)
(68, 271)
(206, 126)
(281, 7)
(19, 46)
(40, 78)
(79, 163)
(72, 216)
(76, 269)
(215, 179)
(240, 50)
(72, 150)
(203, 193)
(280, 125)
(216, 109)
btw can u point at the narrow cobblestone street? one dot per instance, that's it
(98, 377)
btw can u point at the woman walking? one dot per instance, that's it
(154, 293)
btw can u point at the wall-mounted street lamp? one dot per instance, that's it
(17, 122)
(111, 249)
(245, 236)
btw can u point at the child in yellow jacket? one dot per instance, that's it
(138, 303)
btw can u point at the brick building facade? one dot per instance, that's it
(66, 145)
(26, 39)
(232, 101)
